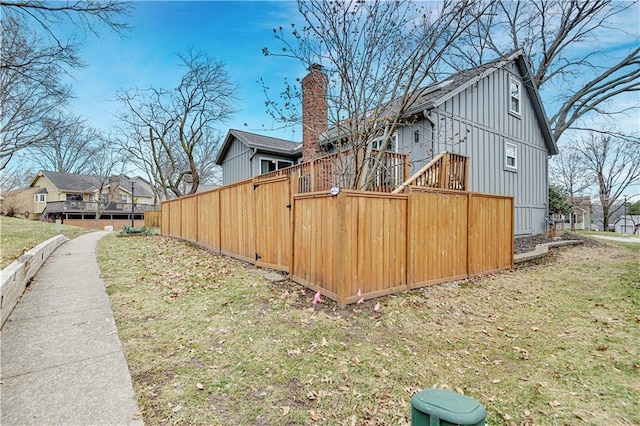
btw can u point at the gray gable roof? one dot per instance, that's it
(69, 182)
(259, 143)
(435, 94)
(141, 187)
(462, 80)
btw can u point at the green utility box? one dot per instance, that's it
(440, 407)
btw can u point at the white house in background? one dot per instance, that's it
(580, 216)
(628, 225)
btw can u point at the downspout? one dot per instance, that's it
(427, 115)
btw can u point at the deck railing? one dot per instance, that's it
(337, 170)
(92, 206)
(445, 171)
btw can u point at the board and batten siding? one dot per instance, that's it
(237, 163)
(477, 123)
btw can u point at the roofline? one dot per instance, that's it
(40, 174)
(538, 106)
(474, 80)
(529, 84)
(233, 133)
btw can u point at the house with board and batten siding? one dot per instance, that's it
(492, 114)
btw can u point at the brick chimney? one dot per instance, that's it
(114, 189)
(314, 111)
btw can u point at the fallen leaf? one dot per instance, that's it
(285, 410)
(199, 386)
(177, 408)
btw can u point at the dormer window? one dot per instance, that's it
(515, 89)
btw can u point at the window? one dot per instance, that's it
(271, 165)
(123, 198)
(514, 96)
(416, 137)
(74, 197)
(41, 198)
(391, 146)
(511, 156)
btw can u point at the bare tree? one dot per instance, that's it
(35, 55)
(615, 164)
(13, 180)
(569, 173)
(31, 92)
(106, 163)
(378, 56)
(172, 132)
(553, 34)
(68, 149)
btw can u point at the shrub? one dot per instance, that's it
(131, 230)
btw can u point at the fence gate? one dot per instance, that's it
(273, 223)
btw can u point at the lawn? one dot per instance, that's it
(210, 341)
(605, 234)
(18, 236)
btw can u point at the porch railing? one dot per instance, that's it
(93, 206)
(337, 170)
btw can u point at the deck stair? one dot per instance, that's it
(445, 171)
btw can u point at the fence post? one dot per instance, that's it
(444, 171)
(341, 210)
(469, 229)
(312, 174)
(407, 166)
(466, 173)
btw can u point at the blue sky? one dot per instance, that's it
(234, 32)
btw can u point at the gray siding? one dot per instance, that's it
(237, 163)
(477, 123)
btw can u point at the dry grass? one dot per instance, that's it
(209, 341)
(18, 236)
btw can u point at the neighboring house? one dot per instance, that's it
(492, 114)
(244, 155)
(628, 225)
(580, 216)
(53, 195)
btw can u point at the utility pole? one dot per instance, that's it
(132, 207)
(625, 215)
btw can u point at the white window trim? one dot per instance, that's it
(519, 84)
(291, 163)
(506, 162)
(393, 138)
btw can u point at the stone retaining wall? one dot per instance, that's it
(16, 276)
(542, 250)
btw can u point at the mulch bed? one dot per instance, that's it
(527, 244)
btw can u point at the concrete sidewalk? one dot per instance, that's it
(61, 358)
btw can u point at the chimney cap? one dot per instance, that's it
(315, 66)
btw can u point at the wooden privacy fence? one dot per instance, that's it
(153, 218)
(378, 243)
